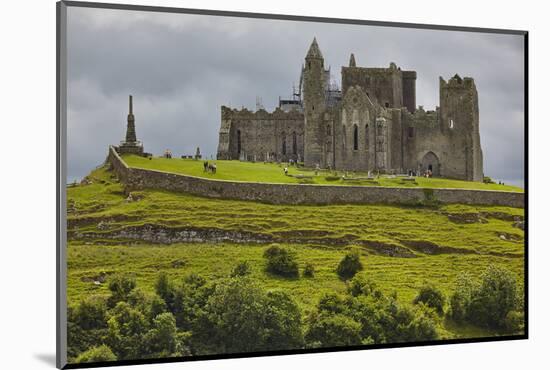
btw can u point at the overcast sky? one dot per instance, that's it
(181, 68)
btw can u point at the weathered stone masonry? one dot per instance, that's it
(136, 179)
(371, 124)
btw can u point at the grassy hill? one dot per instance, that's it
(402, 247)
(274, 173)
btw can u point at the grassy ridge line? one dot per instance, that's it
(101, 207)
(237, 171)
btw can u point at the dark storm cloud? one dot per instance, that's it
(181, 68)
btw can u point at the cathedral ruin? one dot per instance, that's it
(371, 124)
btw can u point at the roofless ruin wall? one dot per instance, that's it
(260, 135)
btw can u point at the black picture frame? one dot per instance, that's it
(61, 224)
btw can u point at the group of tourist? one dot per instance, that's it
(427, 173)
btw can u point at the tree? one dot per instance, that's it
(127, 326)
(432, 297)
(283, 319)
(97, 354)
(349, 265)
(494, 299)
(461, 298)
(91, 313)
(165, 290)
(488, 303)
(333, 331)
(161, 340)
(358, 286)
(331, 303)
(241, 317)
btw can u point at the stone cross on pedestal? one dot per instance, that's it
(131, 145)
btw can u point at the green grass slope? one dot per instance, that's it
(401, 247)
(274, 173)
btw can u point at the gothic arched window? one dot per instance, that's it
(239, 141)
(294, 143)
(355, 137)
(366, 136)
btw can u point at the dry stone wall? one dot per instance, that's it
(136, 178)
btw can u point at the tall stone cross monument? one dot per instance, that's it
(131, 145)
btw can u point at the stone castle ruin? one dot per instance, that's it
(371, 124)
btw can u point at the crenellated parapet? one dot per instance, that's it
(424, 119)
(245, 114)
(456, 82)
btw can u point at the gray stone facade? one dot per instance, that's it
(371, 124)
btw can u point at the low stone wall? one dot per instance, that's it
(136, 178)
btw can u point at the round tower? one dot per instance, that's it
(314, 105)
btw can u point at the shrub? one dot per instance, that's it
(461, 298)
(486, 304)
(242, 269)
(91, 313)
(309, 270)
(488, 180)
(97, 354)
(120, 286)
(126, 329)
(494, 299)
(349, 265)
(240, 316)
(333, 331)
(162, 338)
(272, 251)
(281, 262)
(165, 290)
(361, 286)
(331, 303)
(416, 324)
(189, 300)
(431, 297)
(284, 321)
(514, 322)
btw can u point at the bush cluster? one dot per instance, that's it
(349, 265)
(431, 297)
(235, 314)
(365, 315)
(309, 270)
(191, 317)
(281, 261)
(495, 302)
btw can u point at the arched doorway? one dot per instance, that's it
(431, 162)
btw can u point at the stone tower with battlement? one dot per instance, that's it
(371, 123)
